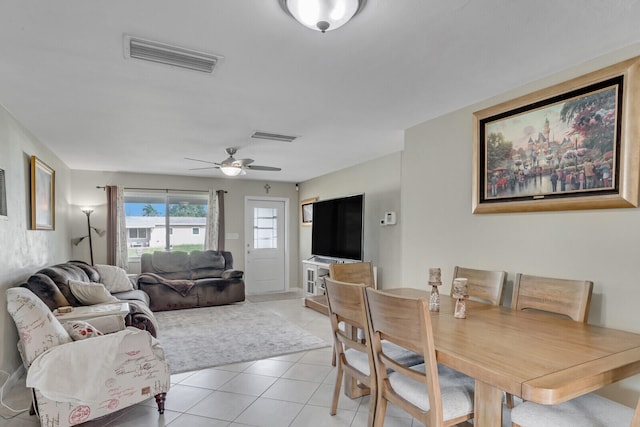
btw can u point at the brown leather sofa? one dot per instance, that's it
(176, 280)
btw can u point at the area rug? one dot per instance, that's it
(199, 338)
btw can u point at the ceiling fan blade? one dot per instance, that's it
(263, 168)
(203, 161)
(244, 162)
(208, 167)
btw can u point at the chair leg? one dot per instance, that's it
(333, 356)
(160, 398)
(380, 410)
(336, 390)
(373, 401)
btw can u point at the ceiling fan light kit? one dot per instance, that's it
(232, 166)
(231, 170)
(322, 15)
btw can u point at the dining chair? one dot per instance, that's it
(433, 399)
(352, 272)
(353, 355)
(482, 285)
(589, 410)
(570, 298)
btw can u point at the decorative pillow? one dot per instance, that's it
(115, 279)
(79, 330)
(90, 293)
(38, 328)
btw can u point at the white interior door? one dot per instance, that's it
(265, 245)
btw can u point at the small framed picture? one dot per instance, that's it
(3, 196)
(43, 184)
(306, 211)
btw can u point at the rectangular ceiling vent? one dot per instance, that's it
(273, 136)
(171, 55)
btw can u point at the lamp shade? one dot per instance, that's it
(322, 15)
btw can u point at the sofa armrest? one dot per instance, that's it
(232, 274)
(107, 324)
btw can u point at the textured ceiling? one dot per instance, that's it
(347, 94)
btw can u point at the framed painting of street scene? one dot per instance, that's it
(571, 146)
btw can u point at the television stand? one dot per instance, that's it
(314, 271)
(318, 303)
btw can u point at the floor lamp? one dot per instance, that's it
(77, 240)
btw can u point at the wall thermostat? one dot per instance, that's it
(389, 219)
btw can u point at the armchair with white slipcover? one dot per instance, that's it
(77, 381)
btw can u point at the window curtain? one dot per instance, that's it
(214, 239)
(117, 253)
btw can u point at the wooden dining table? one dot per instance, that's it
(536, 356)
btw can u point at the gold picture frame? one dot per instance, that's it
(306, 211)
(43, 184)
(571, 146)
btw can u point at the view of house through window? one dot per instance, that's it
(165, 221)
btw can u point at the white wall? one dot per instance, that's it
(379, 180)
(440, 231)
(85, 193)
(24, 251)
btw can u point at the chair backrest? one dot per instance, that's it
(482, 285)
(353, 272)
(407, 323)
(347, 304)
(570, 298)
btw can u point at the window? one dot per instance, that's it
(265, 228)
(165, 220)
(138, 233)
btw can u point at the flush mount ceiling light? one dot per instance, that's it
(322, 15)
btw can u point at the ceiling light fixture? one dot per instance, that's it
(322, 15)
(231, 170)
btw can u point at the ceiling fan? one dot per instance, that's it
(232, 166)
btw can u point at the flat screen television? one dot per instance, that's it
(337, 228)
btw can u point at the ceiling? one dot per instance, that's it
(348, 94)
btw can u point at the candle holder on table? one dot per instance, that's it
(460, 293)
(435, 280)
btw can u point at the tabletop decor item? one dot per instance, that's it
(460, 293)
(435, 280)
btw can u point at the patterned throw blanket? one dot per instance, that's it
(181, 286)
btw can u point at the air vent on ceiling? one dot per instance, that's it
(171, 55)
(273, 136)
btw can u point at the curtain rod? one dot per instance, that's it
(155, 189)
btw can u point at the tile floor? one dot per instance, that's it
(292, 390)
